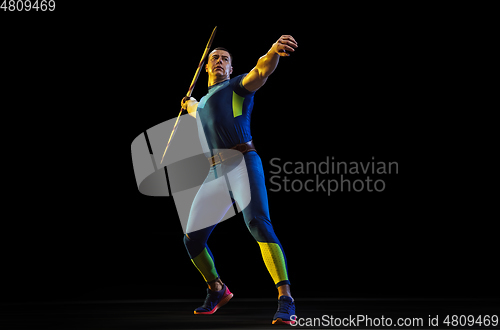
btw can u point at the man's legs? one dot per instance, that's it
(257, 219)
(209, 206)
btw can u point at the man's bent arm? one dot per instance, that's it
(266, 65)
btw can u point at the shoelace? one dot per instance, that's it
(209, 300)
(284, 306)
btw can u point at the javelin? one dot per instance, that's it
(195, 78)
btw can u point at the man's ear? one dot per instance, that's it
(206, 67)
(230, 72)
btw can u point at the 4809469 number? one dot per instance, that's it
(28, 5)
(471, 320)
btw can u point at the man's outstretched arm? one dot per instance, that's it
(256, 78)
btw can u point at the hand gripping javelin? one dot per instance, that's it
(195, 78)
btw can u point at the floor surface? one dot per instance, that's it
(242, 313)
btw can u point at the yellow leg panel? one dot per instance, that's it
(274, 260)
(205, 265)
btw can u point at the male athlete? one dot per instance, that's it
(224, 114)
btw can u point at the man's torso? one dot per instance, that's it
(225, 112)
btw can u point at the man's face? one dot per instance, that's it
(219, 64)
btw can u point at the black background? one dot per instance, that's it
(398, 84)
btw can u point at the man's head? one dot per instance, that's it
(218, 65)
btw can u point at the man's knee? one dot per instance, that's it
(193, 246)
(262, 230)
(186, 241)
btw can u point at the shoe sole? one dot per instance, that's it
(219, 305)
(280, 321)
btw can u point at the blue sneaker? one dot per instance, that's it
(214, 301)
(286, 308)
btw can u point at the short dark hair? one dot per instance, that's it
(224, 49)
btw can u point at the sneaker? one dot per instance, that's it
(286, 308)
(214, 301)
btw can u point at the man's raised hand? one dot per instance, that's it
(284, 45)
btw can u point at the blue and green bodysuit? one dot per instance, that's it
(224, 120)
